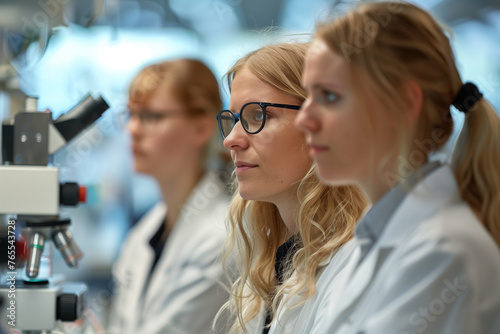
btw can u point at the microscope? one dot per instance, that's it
(31, 196)
(32, 300)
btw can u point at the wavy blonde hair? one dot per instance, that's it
(325, 218)
(400, 42)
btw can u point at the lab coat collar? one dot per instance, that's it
(372, 225)
(433, 192)
(438, 189)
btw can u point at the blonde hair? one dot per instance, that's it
(192, 83)
(399, 43)
(326, 215)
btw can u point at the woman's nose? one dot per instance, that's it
(306, 120)
(134, 126)
(237, 139)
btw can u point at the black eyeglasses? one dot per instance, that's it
(252, 116)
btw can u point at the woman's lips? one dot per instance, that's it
(316, 149)
(242, 166)
(137, 152)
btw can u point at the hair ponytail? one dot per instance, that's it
(476, 160)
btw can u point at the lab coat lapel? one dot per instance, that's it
(142, 259)
(196, 206)
(429, 195)
(356, 280)
(170, 254)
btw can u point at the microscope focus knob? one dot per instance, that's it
(72, 194)
(71, 302)
(67, 307)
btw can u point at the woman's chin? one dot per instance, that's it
(248, 193)
(247, 196)
(329, 176)
(141, 168)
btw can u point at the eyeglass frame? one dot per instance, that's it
(160, 116)
(263, 105)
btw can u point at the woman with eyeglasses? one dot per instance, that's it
(284, 225)
(167, 273)
(428, 259)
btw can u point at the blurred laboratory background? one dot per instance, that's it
(61, 50)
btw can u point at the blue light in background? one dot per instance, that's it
(477, 51)
(101, 60)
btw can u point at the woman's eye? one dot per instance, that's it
(150, 117)
(326, 97)
(330, 97)
(259, 115)
(256, 115)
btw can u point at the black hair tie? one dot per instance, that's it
(467, 97)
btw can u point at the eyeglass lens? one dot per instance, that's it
(251, 117)
(226, 122)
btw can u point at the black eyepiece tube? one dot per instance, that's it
(81, 116)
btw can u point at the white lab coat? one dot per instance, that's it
(183, 294)
(302, 319)
(435, 269)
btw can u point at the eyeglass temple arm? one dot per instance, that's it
(279, 105)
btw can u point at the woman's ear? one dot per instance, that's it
(414, 95)
(203, 129)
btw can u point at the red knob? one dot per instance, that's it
(22, 249)
(82, 194)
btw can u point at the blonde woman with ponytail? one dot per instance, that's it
(428, 258)
(285, 225)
